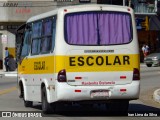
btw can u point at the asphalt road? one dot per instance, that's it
(150, 81)
(7, 82)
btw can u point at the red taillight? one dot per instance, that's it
(136, 74)
(65, 10)
(62, 76)
(123, 90)
(77, 91)
(78, 78)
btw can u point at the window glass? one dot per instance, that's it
(43, 37)
(54, 32)
(98, 28)
(46, 36)
(37, 29)
(46, 44)
(35, 46)
(36, 37)
(26, 44)
(47, 27)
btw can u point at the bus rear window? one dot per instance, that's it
(98, 28)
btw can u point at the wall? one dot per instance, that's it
(149, 38)
(19, 14)
(22, 13)
(10, 44)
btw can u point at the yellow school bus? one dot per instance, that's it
(83, 53)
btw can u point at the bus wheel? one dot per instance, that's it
(21, 90)
(46, 107)
(28, 103)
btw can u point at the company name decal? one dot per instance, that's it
(39, 65)
(99, 83)
(99, 60)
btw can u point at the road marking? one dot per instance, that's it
(5, 91)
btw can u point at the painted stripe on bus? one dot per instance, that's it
(79, 63)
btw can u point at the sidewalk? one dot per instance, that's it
(8, 74)
(156, 95)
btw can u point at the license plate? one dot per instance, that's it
(99, 94)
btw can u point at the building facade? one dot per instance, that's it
(13, 14)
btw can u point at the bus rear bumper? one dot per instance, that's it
(66, 92)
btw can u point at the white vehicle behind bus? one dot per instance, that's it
(84, 53)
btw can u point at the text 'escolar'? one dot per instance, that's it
(99, 60)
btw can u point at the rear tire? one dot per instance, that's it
(21, 90)
(28, 103)
(47, 108)
(149, 65)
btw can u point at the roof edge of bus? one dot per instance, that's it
(54, 11)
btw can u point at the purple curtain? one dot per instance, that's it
(114, 28)
(85, 28)
(81, 29)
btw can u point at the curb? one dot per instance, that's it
(10, 74)
(156, 95)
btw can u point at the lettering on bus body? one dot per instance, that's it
(99, 60)
(40, 65)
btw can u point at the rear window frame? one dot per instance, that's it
(82, 12)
